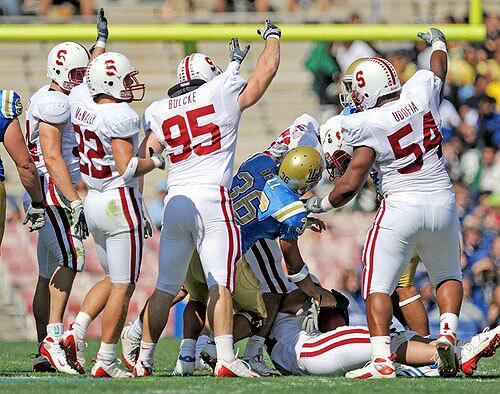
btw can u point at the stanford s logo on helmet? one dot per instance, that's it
(113, 74)
(373, 78)
(66, 64)
(197, 66)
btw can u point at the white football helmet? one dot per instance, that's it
(197, 66)
(373, 78)
(345, 96)
(113, 74)
(338, 155)
(66, 64)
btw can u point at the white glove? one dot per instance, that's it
(78, 222)
(310, 312)
(278, 151)
(317, 204)
(159, 160)
(36, 216)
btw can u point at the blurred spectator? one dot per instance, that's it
(323, 5)
(10, 7)
(323, 65)
(241, 5)
(14, 211)
(155, 206)
(67, 8)
(476, 243)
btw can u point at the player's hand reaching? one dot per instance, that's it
(237, 54)
(315, 224)
(79, 226)
(269, 30)
(317, 204)
(35, 214)
(159, 160)
(432, 36)
(278, 151)
(310, 312)
(102, 26)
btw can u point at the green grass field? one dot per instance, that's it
(16, 376)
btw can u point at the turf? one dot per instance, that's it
(16, 376)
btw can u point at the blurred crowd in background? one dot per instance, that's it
(471, 131)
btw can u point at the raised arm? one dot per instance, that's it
(266, 69)
(102, 35)
(439, 56)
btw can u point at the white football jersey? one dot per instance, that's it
(96, 125)
(199, 130)
(304, 131)
(51, 106)
(405, 137)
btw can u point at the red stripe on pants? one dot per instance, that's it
(130, 223)
(372, 249)
(231, 240)
(336, 335)
(334, 345)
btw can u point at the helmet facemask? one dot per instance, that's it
(131, 84)
(345, 96)
(75, 78)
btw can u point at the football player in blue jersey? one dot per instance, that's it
(13, 140)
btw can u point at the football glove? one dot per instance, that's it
(35, 214)
(310, 312)
(159, 160)
(79, 226)
(432, 36)
(235, 52)
(102, 26)
(342, 304)
(269, 30)
(315, 224)
(317, 204)
(278, 151)
(148, 227)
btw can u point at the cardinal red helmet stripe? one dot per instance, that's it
(388, 67)
(186, 68)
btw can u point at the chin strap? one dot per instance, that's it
(185, 87)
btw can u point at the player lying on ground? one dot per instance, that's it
(12, 137)
(52, 143)
(325, 344)
(397, 131)
(265, 207)
(197, 126)
(102, 117)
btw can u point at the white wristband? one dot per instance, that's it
(299, 276)
(275, 36)
(101, 43)
(439, 46)
(325, 204)
(157, 161)
(131, 168)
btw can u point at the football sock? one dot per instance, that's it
(224, 346)
(200, 345)
(381, 347)
(254, 346)
(135, 331)
(448, 321)
(55, 330)
(147, 352)
(81, 324)
(188, 348)
(107, 353)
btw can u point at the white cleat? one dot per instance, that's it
(143, 368)
(480, 345)
(74, 348)
(427, 371)
(185, 366)
(52, 351)
(447, 358)
(377, 369)
(202, 366)
(130, 348)
(103, 370)
(234, 369)
(259, 366)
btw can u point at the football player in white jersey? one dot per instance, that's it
(197, 126)
(397, 132)
(52, 144)
(107, 130)
(308, 341)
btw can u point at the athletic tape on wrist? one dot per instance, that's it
(275, 36)
(131, 168)
(439, 46)
(101, 43)
(409, 300)
(157, 161)
(299, 276)
(326, 204)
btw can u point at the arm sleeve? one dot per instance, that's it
(125, 124)
(54, 109)
(231, 87)
(149, 122)
(356, 134)
(424, 83)
(293, 227)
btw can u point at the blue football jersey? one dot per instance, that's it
(10, 108)
(348, 111)
(265, 207)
